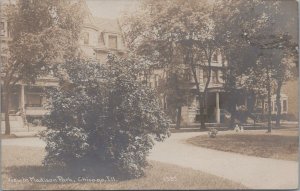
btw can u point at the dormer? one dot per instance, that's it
(112, 41)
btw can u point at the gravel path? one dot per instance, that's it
(253, 172)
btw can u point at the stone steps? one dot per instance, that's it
(16, 124)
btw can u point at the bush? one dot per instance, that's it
(103, 112)
(35, 121)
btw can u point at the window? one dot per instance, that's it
(187, 75)
(33, 96)
(2, 31)
(86, 38)
(215, 76)
(220, 77)
(9, 29)
(205, 75)
(215, 58)
(284, 105)
(156, 78)
(34, 100)
(112, 42)
(100, 39)
(266, 107)
(272, 108)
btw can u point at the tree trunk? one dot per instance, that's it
(189, 60)
(233, 109)
(206, 87)
(7, 100)
(202, 116)
(269, 102)
(278, 103)
(178, 117)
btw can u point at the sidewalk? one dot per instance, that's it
(253, 172)
(23, 132)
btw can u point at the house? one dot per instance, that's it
(218, 99)
(290, 106)
(98, 37)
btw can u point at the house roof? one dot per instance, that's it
(107, 25)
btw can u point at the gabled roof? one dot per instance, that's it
(89, 19)
(107, 25)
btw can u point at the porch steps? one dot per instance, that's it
(16, 123)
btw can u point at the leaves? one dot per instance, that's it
(107, 113)
(43, 33)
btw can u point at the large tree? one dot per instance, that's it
(175, 93)
(276, 63)
(252, 28)
(190, 36)
(44, 33)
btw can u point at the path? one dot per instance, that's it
(253, 172)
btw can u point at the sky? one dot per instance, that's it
(111, 8)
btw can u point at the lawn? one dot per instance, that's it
(25, 163)
(280, 144)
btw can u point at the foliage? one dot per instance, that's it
(43, 34)
(173, 88)
(189, 39)
(103, 112)
(257, 46)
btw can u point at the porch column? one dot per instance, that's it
(22, 103)
(217, 107)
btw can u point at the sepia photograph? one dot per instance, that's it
(149, 94)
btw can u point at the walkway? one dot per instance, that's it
(253, 172)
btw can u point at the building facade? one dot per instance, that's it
(98, 37)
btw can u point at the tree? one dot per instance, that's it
(285, 60)
(103, 113)
(251, 27)
(236, 19)
(271, 69)
(43, 34)
(191, 37)
(175, 93)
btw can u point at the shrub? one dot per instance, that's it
(34, 121)
(103, 112)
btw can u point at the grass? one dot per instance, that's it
(21, 163)
(280, 144)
